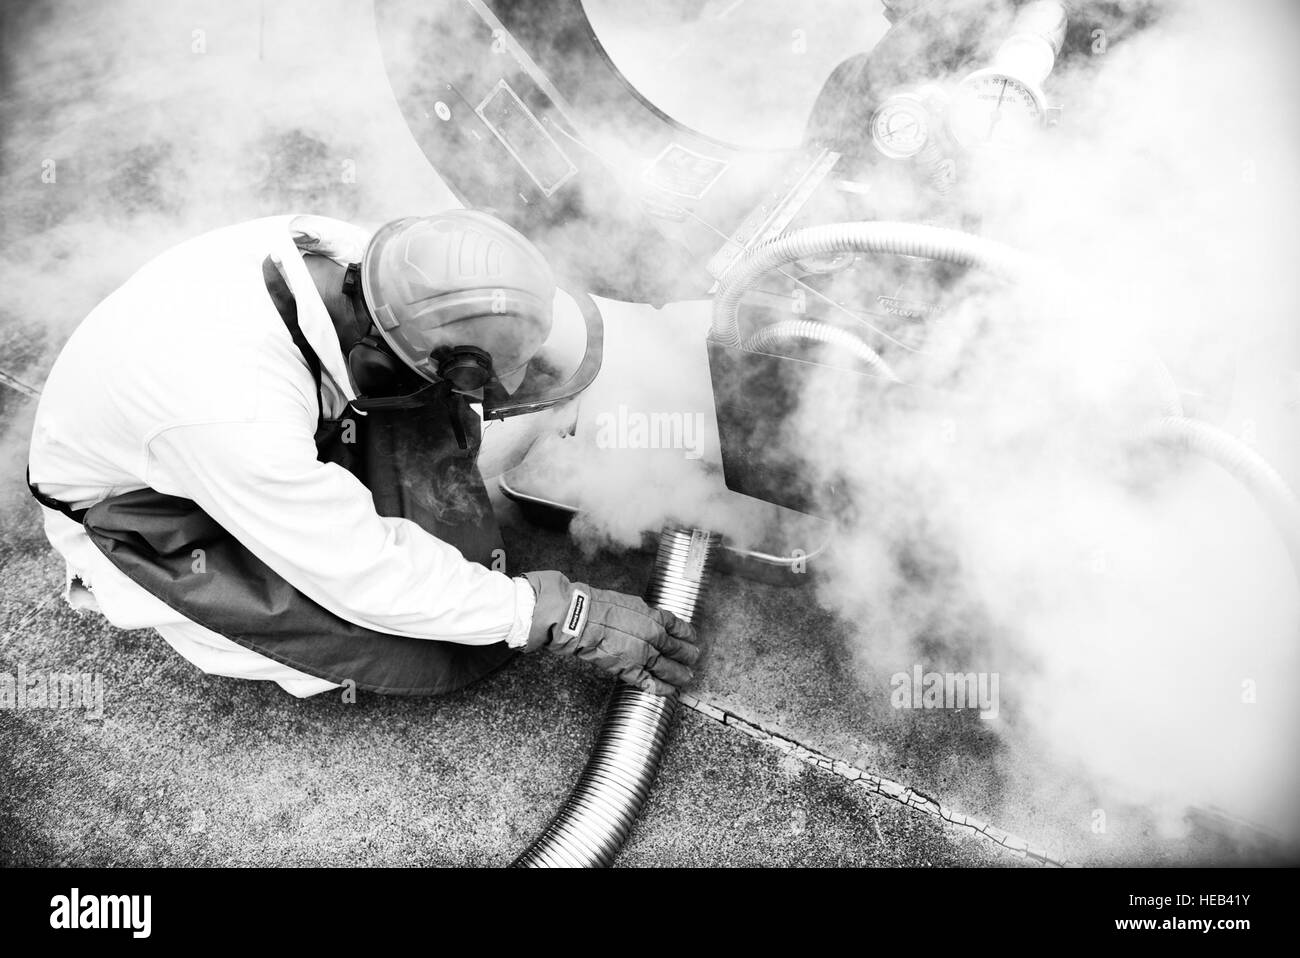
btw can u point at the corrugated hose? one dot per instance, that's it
(597, 817)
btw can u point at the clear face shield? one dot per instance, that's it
(461, 302)
(566, 364)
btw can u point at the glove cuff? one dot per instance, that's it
(560, 613)
(525, 605)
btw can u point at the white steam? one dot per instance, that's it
(1142, 610)
(1146, 608)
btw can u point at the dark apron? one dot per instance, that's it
(420, 464)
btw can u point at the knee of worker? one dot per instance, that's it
(507, 441)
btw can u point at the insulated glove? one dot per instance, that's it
(649, 648)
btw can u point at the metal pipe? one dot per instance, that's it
(17, 385)
(596, 818)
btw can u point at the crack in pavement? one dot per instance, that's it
(875, 784)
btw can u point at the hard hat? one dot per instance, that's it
(461, 278)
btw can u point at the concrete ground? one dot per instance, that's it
(187, 769)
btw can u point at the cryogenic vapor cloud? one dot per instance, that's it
(1139, 608)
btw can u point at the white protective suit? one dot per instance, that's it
(186, 381)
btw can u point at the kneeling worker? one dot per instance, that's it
(263, 445)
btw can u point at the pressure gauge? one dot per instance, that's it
(900, 127)
(992, 108)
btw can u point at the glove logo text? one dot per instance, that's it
(576, 617)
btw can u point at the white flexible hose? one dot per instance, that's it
(1242, 462)
(1171, 400)
(811, 329)
(904, 239)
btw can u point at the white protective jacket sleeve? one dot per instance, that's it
(315, 524)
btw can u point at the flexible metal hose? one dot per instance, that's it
(1236, 458)
(904, 239)
(596, 818)
(768, 336)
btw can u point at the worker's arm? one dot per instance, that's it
(315, 524)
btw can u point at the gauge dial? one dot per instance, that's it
(994, 109)
(901, 126)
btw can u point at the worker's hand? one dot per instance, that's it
(644, 646)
